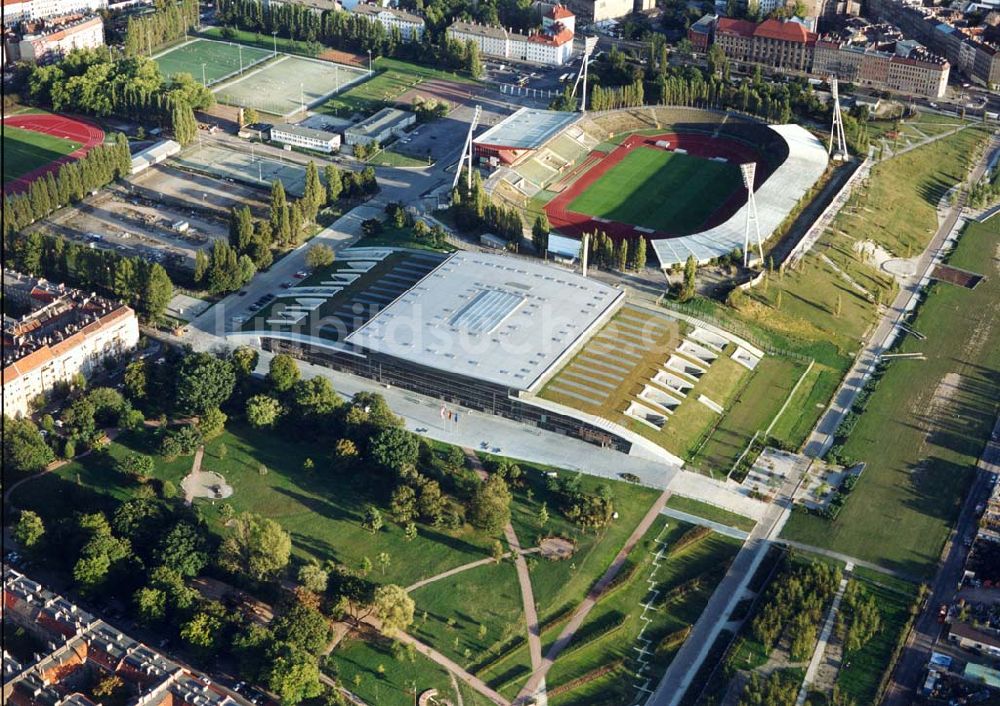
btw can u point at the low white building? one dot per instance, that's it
(24, 10)
(553, 46)
(386, 123)
(411, 27)
(60, 333)
(306, 138)
(154, 154)
(53, 43)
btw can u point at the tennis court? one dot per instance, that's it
(289, 84)
(221, 60)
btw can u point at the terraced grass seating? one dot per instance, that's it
(707, 338)
(568, 149)
(663, 400)
(674, 382)
(692, 349)
(536, 172)
(684, 366)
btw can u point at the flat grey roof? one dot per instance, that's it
(307, 132)
(527, 128)
(382, 120)
(776, 198)
(491, 317)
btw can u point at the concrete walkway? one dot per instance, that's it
(452, 572)
(583, 610)
(714, 526)
(847, 559)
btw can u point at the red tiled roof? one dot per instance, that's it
(560, 12)
(557, 39)
(785, 31)
(743, 28)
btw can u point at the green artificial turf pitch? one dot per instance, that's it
(25, 150)
(220, 58)
(653, 188)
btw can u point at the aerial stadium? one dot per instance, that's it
(518, 339)
(670, 175)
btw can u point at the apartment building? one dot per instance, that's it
(908, 69)
(51, 333)
(15, 11)
(411, 27)
(553, 46)
(50, 41)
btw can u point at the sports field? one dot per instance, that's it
(288, 83)
(221, 59)
(26, 150)
(665, 191)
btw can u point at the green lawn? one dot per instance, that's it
(322, 509)
(25, 150)
(255, 39)
(657, 189)
(701, 560)
(357, 665)
(456, 607)
(921, 441)
(392, 79)
(758, 403)
(710, 512)
(811, 397)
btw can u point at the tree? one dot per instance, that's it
(319, 255)
(136, 466)
(24, 448)
(29, 529)
(345, 448)
(255, 546)
(410, 531)
(313, 194)
(372, 520)
(496, 549)
(150, 604)
(690, 271)
(383, 560)
(183, 549)
(394, 449)
(279, 213)
(621, 255)
(212, 423)
(156, 291)
(203, 382)
(543, 515)
(540, 233)
(292, 675)
(302, 627)
(201, 631)
(108, 686)
(473, 62)
(185, 125)
(240, 229)
(282, 373)
(135, 379)
(263, 411)
(312, 577)
(393, 607)
(640, 253)
(334, 183)
(491, 505)
(403, 504)
(245, 360)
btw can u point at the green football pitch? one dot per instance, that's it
(221, 59)
(653, 188)
(24, 150)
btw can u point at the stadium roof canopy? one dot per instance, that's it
(527, 129)
(776, 198)
(490, 317)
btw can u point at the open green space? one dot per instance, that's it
(924, 426)
(710, 512)
(815, 389)
(392, 79)
(759, 401)
(463, 615)
(653, 188)
(382, 672)
(610, 631)
(322, 509)
(219, 58)
(266, 42)
(26, 150)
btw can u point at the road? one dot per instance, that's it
(926, 630)
(885, 332)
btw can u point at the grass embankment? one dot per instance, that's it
(924, 426)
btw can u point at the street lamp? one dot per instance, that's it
(369, 62)
(274, 36)
(241, 57)
(204, 82)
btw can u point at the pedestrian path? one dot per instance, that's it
(824, 638)
(714, 526)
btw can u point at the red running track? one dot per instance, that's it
(697, 145)
(75, 129)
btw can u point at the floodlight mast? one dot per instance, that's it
(837, 129)
(588, 48)
(748, 170)
(467, 149)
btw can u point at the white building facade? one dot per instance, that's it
(411, 27)
(553, 46)
(55, 44)
(306, 138)
(25, 10)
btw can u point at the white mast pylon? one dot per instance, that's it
(748, 170)
(837, 129)
(588, 48)
(467, 149)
